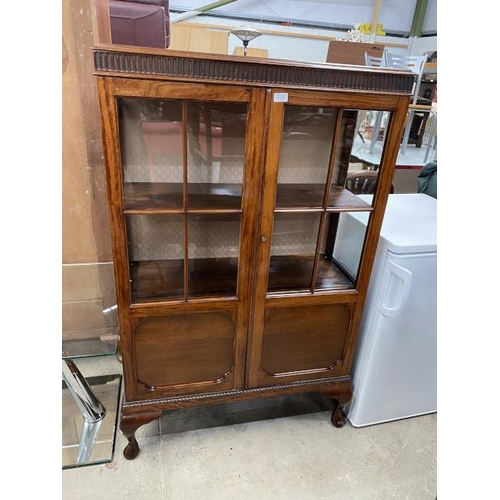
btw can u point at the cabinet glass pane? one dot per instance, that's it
(216, 149)
(156, 257)
(358, 156)
(152, 152)
(305, 156)
(340, 251)
(293, 250)
(213, 253)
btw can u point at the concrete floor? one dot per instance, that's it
(279, 448)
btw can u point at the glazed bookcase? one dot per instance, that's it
(226, 183)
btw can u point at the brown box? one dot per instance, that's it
(352, 52)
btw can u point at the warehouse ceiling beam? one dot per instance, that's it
(418, 18)
(199, 10)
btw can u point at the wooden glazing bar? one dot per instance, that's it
(333, 156)
(332, 224)
(185, 195)
(200, 304)
(320, 297)
(318, 252)
(326, 196)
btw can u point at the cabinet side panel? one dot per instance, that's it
(184, 349)
(298, 339)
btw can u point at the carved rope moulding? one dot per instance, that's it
(234, 392)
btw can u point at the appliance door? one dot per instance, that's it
(396, 370)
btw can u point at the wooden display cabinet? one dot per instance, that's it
(226, 182)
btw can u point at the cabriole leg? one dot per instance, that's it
(129, 423)
(341, 397)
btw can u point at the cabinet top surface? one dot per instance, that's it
(142, 62)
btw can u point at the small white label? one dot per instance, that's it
(280, 97)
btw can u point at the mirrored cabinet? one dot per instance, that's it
(227, 178)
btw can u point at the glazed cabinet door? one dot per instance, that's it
(306, 297)
(182, 179)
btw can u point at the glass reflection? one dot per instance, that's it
(213, 253)
(293, 250)
(152, 154)
(156, 255)
(151, 139)
(369, 140)
(340, 251)
(358, 156)
(305, 156)
(216, 149)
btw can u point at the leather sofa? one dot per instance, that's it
(145, 23)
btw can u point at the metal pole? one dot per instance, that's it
(92, 409)
(376, 14)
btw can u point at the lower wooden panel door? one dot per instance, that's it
(187, 353)
(300, 342)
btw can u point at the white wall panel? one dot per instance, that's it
(423, 45)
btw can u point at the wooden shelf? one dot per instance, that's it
(161, 197)
(140, 197)
(341, 198)
(310, 196)
(294, 273)
(162, 280)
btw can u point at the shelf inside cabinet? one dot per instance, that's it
(310, 196)
(346, 200)
(331, 277)
(164, 197)
(160, 280)
(290, 273)
(300, 196)
(142, 197)
(155, 280)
